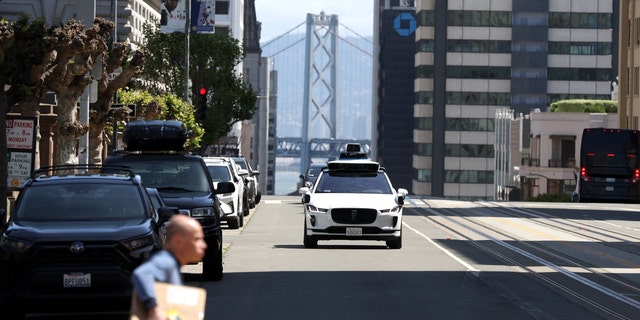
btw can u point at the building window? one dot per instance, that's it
(425, 45)
(222, 7)
(579, 74)
(423, 123)
(470, 124)
(423, 72)
(468, 176)
(580, 48)
(479, 98)
(478, 72)
(584, 20)
(469, 150)
(481, 46)
(636, 80)
(427, 18)
(479, 18)
(423, 149)
(424, 175)
(424, 97)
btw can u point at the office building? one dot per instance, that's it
(474, 57)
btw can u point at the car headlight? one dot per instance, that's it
(14, 246)
(313, 208)
(395, 209)
(137, 243)
(202, 212)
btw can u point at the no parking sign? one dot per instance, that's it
(21, 146)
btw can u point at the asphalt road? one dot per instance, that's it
(459, 260)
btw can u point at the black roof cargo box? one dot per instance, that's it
(155, 135)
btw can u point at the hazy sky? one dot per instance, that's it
(280, 16)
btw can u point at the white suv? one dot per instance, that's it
(353, 199)
(220, 170)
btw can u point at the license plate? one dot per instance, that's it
(77, 280)
(608, 188)
(354, 231)
(610, 180)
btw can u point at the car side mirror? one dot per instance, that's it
(402, 194)
(256, 172)
(306, 198)
(225, 187)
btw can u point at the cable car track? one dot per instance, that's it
(607, 294)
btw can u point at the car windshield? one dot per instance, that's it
(171, 176)
(219, 173)
(314, 171)
(241, 163)
(80, 202)
(334, 182)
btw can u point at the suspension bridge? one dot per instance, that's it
(323, 77)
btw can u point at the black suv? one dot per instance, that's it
(155, 151)
(77, 232)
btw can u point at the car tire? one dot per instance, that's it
(258, 196)
(395, 243)
(212, 262)
(234, 222)
(309, 241)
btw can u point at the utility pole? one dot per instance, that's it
(86, 10)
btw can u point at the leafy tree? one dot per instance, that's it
(213, 60)
(164, 106)
(584, 105)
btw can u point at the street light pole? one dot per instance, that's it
(187, 30)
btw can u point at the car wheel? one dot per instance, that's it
(309, 241)
(234, 222)
(395, 243)
(258, 196)
(241, 219)
(245, 206)
(252, 202)
(212, 262)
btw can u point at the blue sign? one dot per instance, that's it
(405, 24)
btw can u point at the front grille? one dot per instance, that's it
(60, 255)
(354, 216)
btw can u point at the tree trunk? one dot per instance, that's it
(68, 130)
(96, 143)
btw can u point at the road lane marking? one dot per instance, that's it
(469, 267)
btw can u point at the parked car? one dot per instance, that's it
(75, 234)
(353, 199)
(310, 177)
(158, 202)
(221, 170)
(155, 151)
(251, 180)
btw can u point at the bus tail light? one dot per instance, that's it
(584, 175)
(636, 176)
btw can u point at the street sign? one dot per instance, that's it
(21, 146)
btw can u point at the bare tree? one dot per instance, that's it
(77, 50)
(101, 113)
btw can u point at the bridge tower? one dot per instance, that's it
(320, 74)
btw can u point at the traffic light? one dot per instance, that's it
(202, 103)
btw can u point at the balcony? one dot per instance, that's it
(530, 162)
